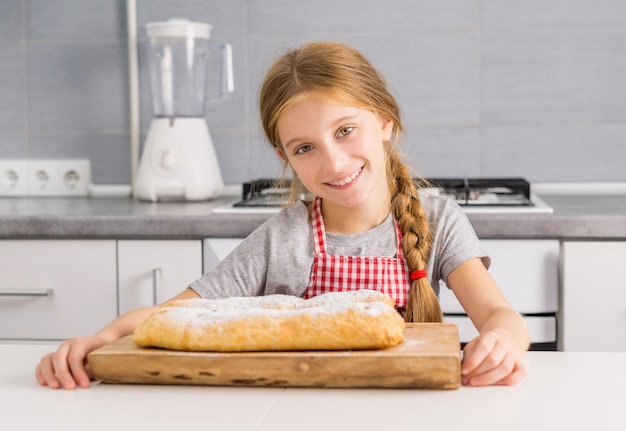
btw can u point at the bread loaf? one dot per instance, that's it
(363, 319)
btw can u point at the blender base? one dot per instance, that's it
(178, 162)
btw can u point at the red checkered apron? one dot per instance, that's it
(337, 273)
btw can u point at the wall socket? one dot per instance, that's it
(45, 177)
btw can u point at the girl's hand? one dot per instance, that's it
(492, 359)
(67, 367)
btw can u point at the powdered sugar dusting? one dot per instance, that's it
(204, 311)
(205, 315)
(240, 302)
(348, 297)
(282, 302)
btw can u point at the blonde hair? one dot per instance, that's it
(343, 74)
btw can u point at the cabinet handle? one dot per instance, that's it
(156, 285)
(26, 292)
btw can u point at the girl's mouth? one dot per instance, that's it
(348, 179)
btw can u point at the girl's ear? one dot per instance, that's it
(387, 128)
(281, 155)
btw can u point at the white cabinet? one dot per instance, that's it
(56, 289)
(526, 271)
(153, 271)
(594, 296)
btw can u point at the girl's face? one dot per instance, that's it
(337, 151)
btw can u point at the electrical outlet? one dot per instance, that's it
(45, 177)
(41, 178)
(74, 177)
(13, 178)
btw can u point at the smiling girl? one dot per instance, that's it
(329, 116)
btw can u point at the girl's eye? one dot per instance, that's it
(344, 131)
(304, 148)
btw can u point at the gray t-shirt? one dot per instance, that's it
(278, 256)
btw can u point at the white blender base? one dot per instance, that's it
(178, 162)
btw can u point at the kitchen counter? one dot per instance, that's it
(574, 217)
(564, 390)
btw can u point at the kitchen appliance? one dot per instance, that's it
(474, 195)
(178, 160)
(428, 358)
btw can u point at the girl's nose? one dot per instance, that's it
(334, 159)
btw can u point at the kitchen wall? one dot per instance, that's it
(535, 88)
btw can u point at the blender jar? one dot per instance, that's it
(179, 67)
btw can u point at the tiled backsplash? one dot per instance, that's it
(487, 87)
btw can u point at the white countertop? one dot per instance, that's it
(564, 390)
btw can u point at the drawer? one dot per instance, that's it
(542, 328)
(56, 289)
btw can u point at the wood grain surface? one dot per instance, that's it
(429, 358)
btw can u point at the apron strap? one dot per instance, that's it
(319, 231)
(317, 226)
(399, 240)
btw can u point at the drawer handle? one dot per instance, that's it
(156, 285)
(26, 292)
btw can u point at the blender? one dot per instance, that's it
(178, 161)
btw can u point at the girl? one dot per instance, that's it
(330, 117)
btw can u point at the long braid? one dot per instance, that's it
(422, 303)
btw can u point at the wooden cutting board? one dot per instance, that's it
(428, 358)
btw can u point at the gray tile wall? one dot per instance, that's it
(535, 88)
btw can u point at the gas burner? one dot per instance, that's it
(485, 191)
(474, 195)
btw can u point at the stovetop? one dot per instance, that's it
(474, 195)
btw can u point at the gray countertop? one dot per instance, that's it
(574, 217)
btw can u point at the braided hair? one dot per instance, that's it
(343, 74)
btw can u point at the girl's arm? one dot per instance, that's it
(496, 355)
(68, 366)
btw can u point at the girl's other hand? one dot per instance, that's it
(492, 359)
(68, 367)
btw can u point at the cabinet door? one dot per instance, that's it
(594, 296)
(153, 271)
(526, 271)
(56, 289)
